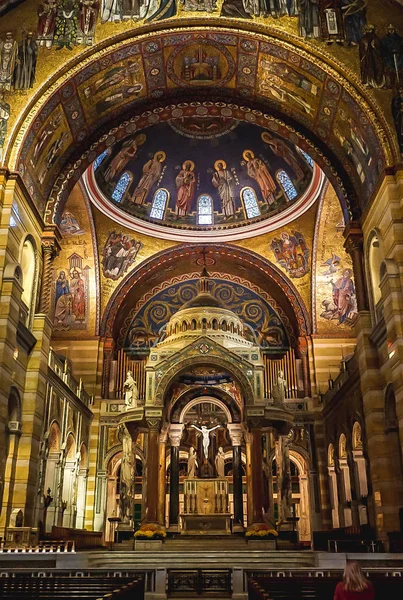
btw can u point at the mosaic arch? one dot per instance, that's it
(239, 286)
(66, 128)
(263, 325)
(232, 260)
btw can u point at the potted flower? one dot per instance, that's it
(262, 537)
(149, 537)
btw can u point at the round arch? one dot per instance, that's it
(209, 399)
(14, 408)
(247, 40)
(241, 259)
(211, 360)
(28, 262)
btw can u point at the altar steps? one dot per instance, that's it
(203, 556)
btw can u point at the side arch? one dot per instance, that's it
(154, 268)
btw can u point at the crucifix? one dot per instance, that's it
(206, 437)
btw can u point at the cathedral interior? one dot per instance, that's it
(201, 316)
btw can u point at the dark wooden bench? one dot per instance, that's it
(57, 587)
(263, 587)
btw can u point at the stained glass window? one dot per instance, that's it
(205, 210)
(307, 157)
(159, 204)
(250, 203)
(100, 158)
(14, 216)
(287, 185)
(121, 187)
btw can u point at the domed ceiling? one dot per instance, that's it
(200, 178)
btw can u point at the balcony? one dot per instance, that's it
(63, 370)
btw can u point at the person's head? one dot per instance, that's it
(353, 577)
(62, 275)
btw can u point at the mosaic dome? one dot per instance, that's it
(203, 179)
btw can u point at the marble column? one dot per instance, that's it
(162, 480)
(127, 474)
(175, 436)
(354, 246)
(236, 433)
(284, 493)
(152, 468)
(256, 512)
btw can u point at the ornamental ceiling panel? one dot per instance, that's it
(110, 92)
(210, 178)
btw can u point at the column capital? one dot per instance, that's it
(51, 239)
(236, 432)
(175, 434)
(354, 237)
(153, 424)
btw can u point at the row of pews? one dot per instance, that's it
(264, 586)
(67, 586)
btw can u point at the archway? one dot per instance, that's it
(249, 94)
(28, 266)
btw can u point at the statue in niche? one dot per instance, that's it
(192, 463)
(279, 389)
(206, 437)
(220, 462)
(131, 391)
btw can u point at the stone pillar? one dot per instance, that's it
(175, 436)
(162, 481)
(284, 493)
(152, 468)
(50, 248)
(256, 471)
(354, 246)
(236, 433)
(14, 433)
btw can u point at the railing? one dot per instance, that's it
(41, 548)
(350, 367)
(63, 371)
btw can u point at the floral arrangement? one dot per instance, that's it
(259, 532)
(150, 532)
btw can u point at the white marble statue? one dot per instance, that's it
(131, 391)
(192, 463)
(206, 437)
(220, 462)
(279, 388)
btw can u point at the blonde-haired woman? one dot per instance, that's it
(354, 586)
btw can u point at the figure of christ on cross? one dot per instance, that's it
(206, 437)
